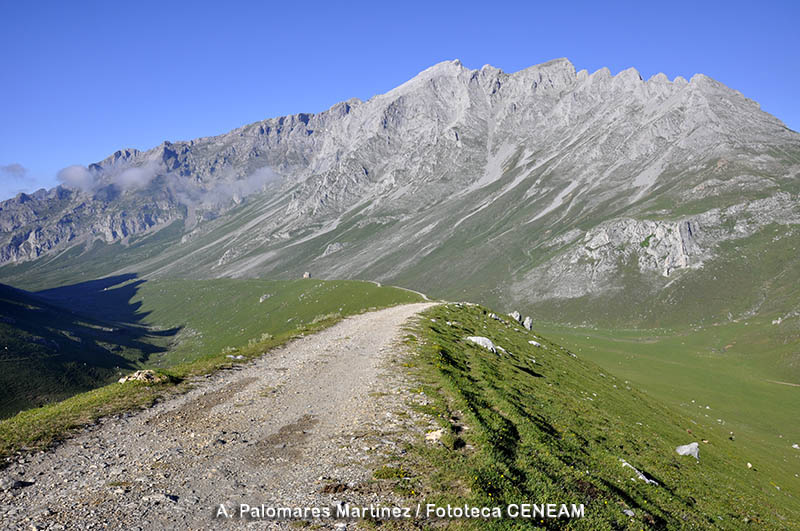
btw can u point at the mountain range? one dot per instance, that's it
(578, 197)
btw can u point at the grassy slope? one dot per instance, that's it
(215, 305)
(215, 314)
(40, 427)
(555, 431)
(753, 275)
(729, 368)
(761, 269)
(85, 263)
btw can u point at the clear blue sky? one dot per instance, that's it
(79, 80)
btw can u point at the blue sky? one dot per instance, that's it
(79, 80)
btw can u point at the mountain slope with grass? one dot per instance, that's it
(534, 422)
(660, 217)
(227, 314)
(300, 425)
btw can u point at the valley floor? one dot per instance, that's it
(303, 426)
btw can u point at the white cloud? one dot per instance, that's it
(188, 191)
(77, 177)
(223, 191)
(136, 177)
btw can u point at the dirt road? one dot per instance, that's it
(303, 426)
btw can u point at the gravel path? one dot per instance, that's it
(303, 426)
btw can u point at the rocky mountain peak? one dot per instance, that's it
(629, 76)
(561, 67)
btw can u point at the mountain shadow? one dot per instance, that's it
(106, 298)
(66, 340)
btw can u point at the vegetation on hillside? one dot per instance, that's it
(229, 313)
(730, 375)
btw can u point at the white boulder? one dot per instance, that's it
(485, 342)
(692, 449)
(434, 436)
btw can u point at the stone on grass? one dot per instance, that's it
(639, 473)
(434, 436)
(143, 376)
(692, 449)
(485, 342)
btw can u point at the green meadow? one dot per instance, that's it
(229, 313)
(736, 377)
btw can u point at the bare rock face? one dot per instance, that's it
(543, 184)
(591, 263)
(35, 225)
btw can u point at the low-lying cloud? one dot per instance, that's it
(197, 197)
(222, 191)
(136, 177)
(187, 190)
(77, 177)
(81, 178)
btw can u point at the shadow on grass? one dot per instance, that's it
(61, 341)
